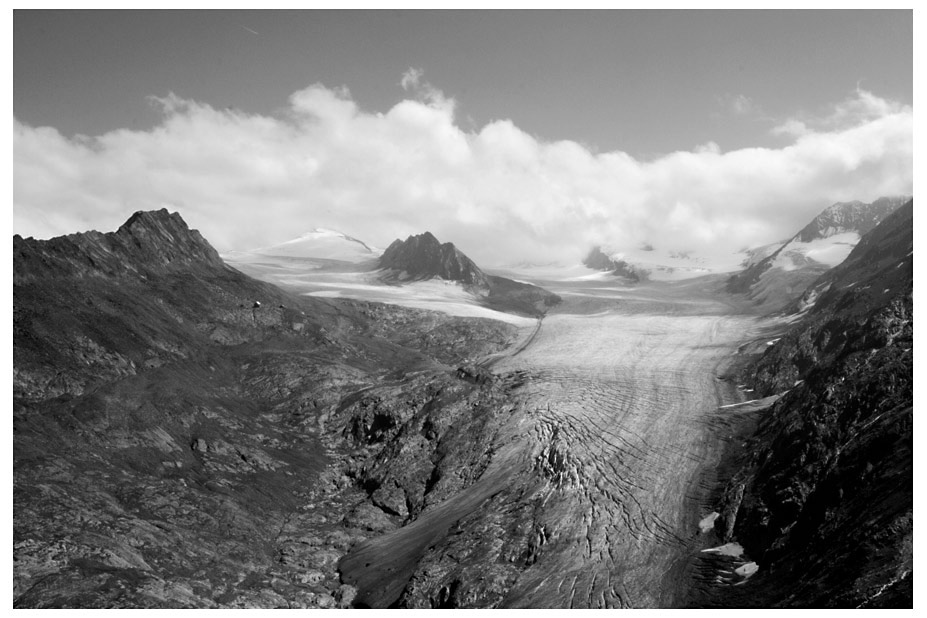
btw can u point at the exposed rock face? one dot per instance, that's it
(852, 216)
(178, 444)
(598, 260)
(154, 241)
(424, 257)
(777, 291)
(824, 499)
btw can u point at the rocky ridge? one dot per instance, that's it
(822, 498)
(155, 241)
(776, 287)
(855, 216)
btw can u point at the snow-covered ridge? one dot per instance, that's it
(320, 244)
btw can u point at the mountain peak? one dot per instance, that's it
(424, 257)
(853, 216)
(153, 218)
(147, 241)
(321, 244)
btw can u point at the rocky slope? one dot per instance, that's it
(822, 499)
(424, 257)
(186, 436)
(776, 280)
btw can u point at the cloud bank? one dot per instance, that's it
(500, 194)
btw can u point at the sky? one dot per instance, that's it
(519, 136)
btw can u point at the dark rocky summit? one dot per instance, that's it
(186, 436)
(148, 242)
(823, 497)
(598, 260)
(424, 257)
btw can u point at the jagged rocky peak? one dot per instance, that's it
(855, 216)
(164, 237)
(148, 241)
(424, 257)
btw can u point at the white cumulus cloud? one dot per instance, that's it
(500, 194)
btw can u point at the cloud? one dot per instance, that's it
(411, 78)
(860, 108)
(500, 194)
(740, 105)
(412, 82)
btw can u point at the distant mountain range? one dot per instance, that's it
(769, 274)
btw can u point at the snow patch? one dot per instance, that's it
(742, 403)
(829, 251)
(434, 295)
(708, 522)
(735, 550)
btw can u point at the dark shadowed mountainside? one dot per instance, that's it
(823, 498)
(186, 436)
(424, 257)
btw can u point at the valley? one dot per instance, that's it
(602, 465)
(186, 435)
